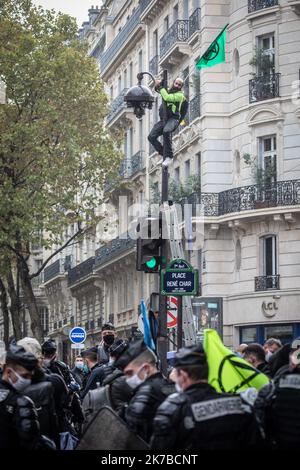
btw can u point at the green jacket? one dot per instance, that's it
(174, 100)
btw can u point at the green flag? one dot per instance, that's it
(215, 54)
(228, 372)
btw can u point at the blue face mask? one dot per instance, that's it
(79, 365)
(85, 369)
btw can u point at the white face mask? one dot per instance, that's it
(21, 383)
(135, 381)
(178, 387)
(269, 355)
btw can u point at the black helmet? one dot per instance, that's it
(18, 355)
(118, 348)
(190, 356)
(133, 350)
(49, 346)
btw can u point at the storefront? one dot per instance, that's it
(208, 313)
(286, 332)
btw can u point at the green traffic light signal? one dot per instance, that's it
(151, 263)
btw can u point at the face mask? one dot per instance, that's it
(79, 365)
(111, 362)
(135, 381)
(269, 355)
(21, 383)
(85, 369)
(108, 339)
(46, 362)
(178, 387)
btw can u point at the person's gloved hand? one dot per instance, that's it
(74, 386)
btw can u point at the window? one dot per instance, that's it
(175, 13)
(268, 151)
(141, 134)
(238, 255)
(119, 84)
(236, 61)
(177, 175)
(185, 9)
(186, 86)
(266, 54)
(155, 43)
(166, 24)
(125, 78)
(187, 169)
(140, 61)
(269, 256)
(130, 74)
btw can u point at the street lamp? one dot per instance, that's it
(140, 96)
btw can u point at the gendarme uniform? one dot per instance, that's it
(200, 418)
(278, 406)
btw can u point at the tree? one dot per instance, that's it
(55, 151)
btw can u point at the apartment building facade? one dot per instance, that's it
(237, 155)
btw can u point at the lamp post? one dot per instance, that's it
(140, 97)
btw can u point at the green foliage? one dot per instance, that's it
(55, 152)
(178, 191)
(262, 61)
(261, 176)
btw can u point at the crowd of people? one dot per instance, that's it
(46, 405)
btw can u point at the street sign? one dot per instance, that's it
(77, 335)
(172, 303)
(179, 279)
(77, 346)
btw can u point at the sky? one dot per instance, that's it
(77, 8)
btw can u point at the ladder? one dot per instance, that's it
(174, 236)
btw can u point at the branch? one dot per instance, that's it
(79, 232)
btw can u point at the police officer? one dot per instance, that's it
(49, 350)
(197, 417)
(108, 336)
(19, 427)
(150, 388)
(278, 404)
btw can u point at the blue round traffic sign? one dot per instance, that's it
(77, 335)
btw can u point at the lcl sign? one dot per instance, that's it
(269, 309)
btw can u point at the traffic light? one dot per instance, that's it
(148, 246)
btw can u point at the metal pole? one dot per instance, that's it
(179, 322)
(162, 337)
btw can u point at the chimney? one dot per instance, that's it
(93, 13)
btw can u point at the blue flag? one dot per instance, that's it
(147, 332)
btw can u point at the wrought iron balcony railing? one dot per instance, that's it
(81, 270)
(264, 87)
(117, 105)
(194, 108)
(117, 45)
(266, 282)
(137, 162)
(255, 5)
(195, 21)
(281, 193)
(113, 249)
(153, 65)
(179, 32)
(53, 270)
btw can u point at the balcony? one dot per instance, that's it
(97, 46)
(81, 271)
(113, 249)
(256, 5)
(174, 43)
(118, 109)
(137, 163)
(195, 23)
(150, 9)
(153, 65)
(55, 269)
(111, 56)
(281, 193)
(264, 87)
(263, 283)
